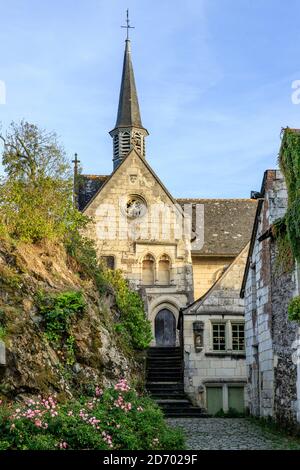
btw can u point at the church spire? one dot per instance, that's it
(129, 131)
(129, 110)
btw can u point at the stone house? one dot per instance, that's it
(271, 339)
(214, 346)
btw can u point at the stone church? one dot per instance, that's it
(173, 251)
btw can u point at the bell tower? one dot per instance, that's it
(128, 131)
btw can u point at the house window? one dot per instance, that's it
(164, 270)
(148, 270)
(219, 339)
(238, 336)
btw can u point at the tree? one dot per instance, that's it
(36, 191)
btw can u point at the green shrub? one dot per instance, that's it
(36, 193)
(133, 318)
(3, 332)
(285, 258)
(231, 413)
(117, 418)
(133, 328)
(294, 309)
(58, 312)
(289, 161)
(82, 251)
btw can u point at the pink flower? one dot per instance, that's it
(98, 392)
(38, 423)
(122, 385)
(63, 445)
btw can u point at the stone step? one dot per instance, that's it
(164, 390)
(164, 368)
(167, 394)
(185, 414)
(165, 383)
(170, 383)
(160, 378)
(161, 363)
(173, 402)
(158, 354)
(164, 348)
(164, 374)
(165, 358)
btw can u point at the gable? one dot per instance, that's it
(230, 282)
(134, 173)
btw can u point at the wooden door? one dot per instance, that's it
(236, 399)
(165, 328)
(214, 400)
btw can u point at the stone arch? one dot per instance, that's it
(165, 328)
(148, 270)
(164, 270)
(157, 305)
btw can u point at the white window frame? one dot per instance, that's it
(228, 336)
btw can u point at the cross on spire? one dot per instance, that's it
(75, 161)
(75, 181)
(128, 27)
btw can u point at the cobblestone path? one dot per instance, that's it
(230, 434)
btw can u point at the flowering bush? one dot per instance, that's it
(116, 418)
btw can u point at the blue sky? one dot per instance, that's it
(214, 80)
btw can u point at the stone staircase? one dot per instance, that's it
(164, 381)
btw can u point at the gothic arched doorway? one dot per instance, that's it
(165, 328)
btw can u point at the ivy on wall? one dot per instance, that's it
(289, 162)
(285, 258)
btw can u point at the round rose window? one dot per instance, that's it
(135, 207)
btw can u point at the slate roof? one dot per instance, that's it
(128, 111)
(227, 224)
(88, 186)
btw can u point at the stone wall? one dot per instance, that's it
(284, 333)
(207, 270)
(272, 376)
(154, 234)
(205, 367)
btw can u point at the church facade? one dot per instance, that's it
(173, 251)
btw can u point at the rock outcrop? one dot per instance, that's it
(34, 365)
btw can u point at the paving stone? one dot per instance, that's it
(227, 434)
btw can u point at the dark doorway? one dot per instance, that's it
(165, 328)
